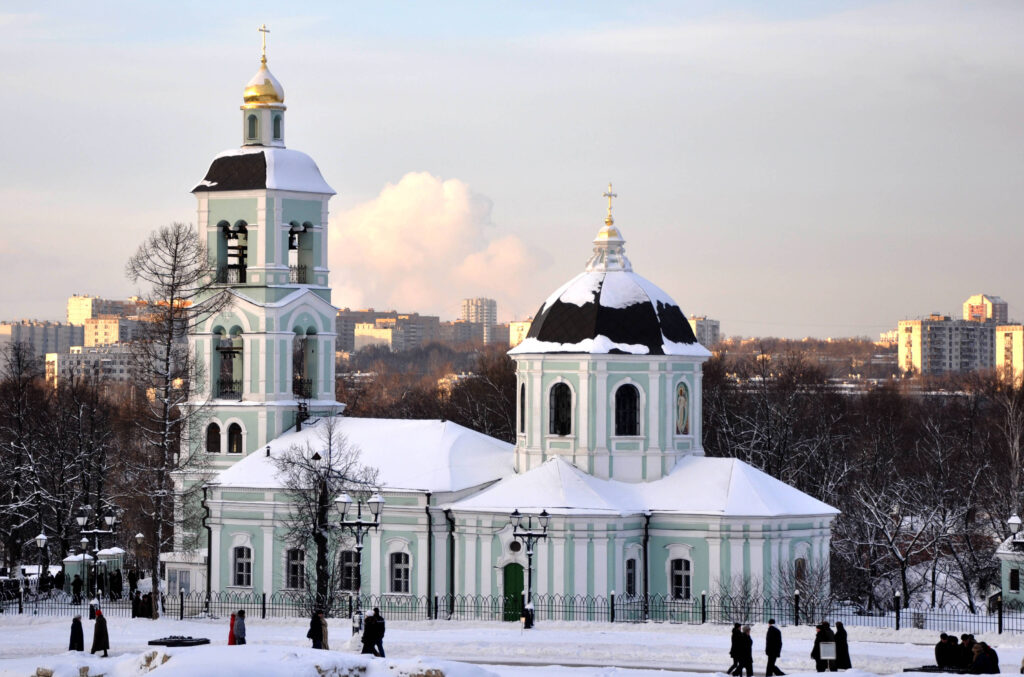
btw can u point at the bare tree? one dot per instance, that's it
(314, 477)
(174, 265)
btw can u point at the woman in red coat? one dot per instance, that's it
(231, 631)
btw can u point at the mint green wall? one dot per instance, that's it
(232, 209)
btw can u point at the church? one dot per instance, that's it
(608, 453)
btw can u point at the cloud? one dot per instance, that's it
(423, 244)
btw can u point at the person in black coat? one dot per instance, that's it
(842, 648)
(745, 652)
(76, 590)
(369, 634)
(58, 581)
(378, 634)
(316, 631)
(773, 649)
(100, 638)
(133, 581)
(824, 635)
(966, 650)
(733, 646)
(77, 642)
(136, 602)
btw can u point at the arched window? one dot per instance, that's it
(679, 581)
(242, 567)
(627, 410)
(296, 569)
(349, 571)
(800, 569)
(631, 576)
(682, 409)
(304, 363)
(560, 415)
(400, 571)
(253, 127)
(277, 127)
(234, 439)
(213, 438)
(522, 408)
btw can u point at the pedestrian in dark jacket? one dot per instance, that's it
(378, 645)
(745, 652)
(773, 649)
(116, 585)
(100, 638)
(136, 601)
(316, 631)
(369, 634)
(733, 645)
(133, 581)
(58, 581)
(966, 650)
(842, 648)
(942, 651)
(824, 635)
(77, 637)
(240, 627)
(76, 590)
(986, 661)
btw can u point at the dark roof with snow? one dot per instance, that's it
(261, 167)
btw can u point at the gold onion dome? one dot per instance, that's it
(263, 88)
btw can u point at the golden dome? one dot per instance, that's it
(263, 90)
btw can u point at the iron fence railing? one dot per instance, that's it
(715, 609)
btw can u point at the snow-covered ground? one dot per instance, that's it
(278, 647)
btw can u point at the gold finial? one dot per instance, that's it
(609, 194)
(263, 29)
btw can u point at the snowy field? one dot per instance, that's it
(458, 649)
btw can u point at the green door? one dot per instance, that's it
(513, 587)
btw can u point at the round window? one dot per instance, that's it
(515, 546)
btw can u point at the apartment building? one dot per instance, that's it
(939, 344)
(82, 308)
(705, 329)
(41, 337)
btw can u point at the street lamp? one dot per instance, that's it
(41, 544)
(529, 536)
(82, 518)
(1014, 524)
(359, 528)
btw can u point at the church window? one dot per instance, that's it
(242, 567)
(349, 571)
(229, 369)
(631, 577)
(522, 408)
(800, 569)
(234, 439)
(682, 409)
(213, 438)
(253, 128)
(296, 569)
(400, 572)
(560, 414)
(627, 410)
(232, 269)
(1014, 580)
(679, 581)
(277, 127)
(303, 363)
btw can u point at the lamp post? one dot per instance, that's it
(83, 518)
(529, 536)
(359, 527)
(41, 544)
(1014, 524)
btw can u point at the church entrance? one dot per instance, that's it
(513, 587)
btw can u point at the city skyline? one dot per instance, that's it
(793, 172)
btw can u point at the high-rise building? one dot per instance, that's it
(985, 308)
(110, 363)
(81, 308)
(705, 329)
(1010, 352)
(940, 345)
(416, 329)
(42, 337)
(109, 329)
(484, 311)
(517, 331)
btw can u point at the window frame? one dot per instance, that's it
(620, 411)
(295, 569)
(241, 566)
(630, 569)
(348, 571)
(399, 573)
(683, 588)
(560, 410)
(214, 436)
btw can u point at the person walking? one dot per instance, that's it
(133, 581)
(842, 648)
(316, 631)
(824, 634)
(231, 631)
(733, 645)
(77, 642)
(773, 649)
(240, 627)
(378, 645)
(369, 634)
(100, 638)
(58, 581)
(136, 602)
(76, 590)
(745, 653)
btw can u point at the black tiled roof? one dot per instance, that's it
(236, 172)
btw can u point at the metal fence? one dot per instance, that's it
(716, 609)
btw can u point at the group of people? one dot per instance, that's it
(100, 637)
(742, 649)
(236, 628)
(142, 605)
(373, 633)
(978, 658)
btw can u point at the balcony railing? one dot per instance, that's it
(297, 274)
(228, 389)
(302, 387)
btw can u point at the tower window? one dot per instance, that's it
(234, 439)
(277, 127)
(682, 409)
(560, 416)
(213, 438)
(627, 410)
(253, 127)
(631, 576)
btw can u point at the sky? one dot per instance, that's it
(789, 168)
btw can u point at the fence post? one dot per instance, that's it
(896, 604)
(264, 605)
(611, 609)
(703, 606)
(181, 604)
(522, 603)
(350, 606)
(437, 606)
(999, 610)
(796, 607)
(21, 599)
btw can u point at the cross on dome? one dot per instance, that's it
(609, 245)
(609, 194)
(264, 30)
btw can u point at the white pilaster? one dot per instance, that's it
(600, 566)
(268, 559)
(581, 567)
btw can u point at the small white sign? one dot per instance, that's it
(827, 651)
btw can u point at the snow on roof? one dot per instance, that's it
(114, 551)
(698, 485)
(258, 167)
(77, 558)
(424, 455)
